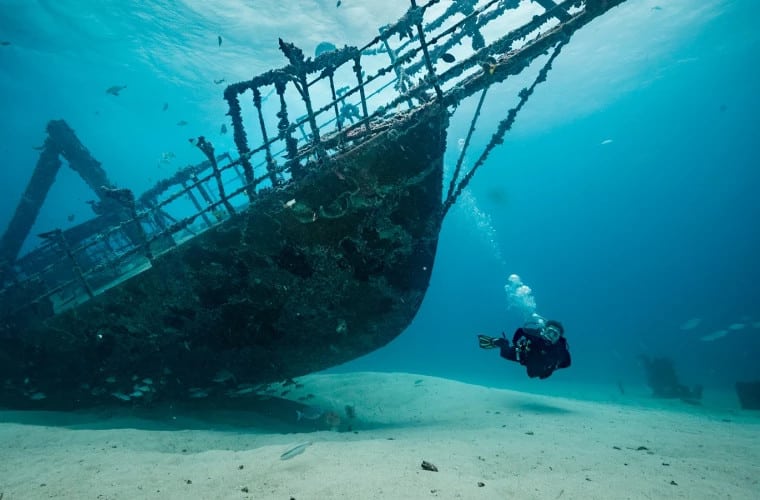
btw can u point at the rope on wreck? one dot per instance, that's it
(498, 137)
(458, 168)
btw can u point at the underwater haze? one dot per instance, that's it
(626, 197)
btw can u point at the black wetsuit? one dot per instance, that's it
(537, 354)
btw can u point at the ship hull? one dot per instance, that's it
(310, 275)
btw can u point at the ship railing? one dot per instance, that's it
(297, 117)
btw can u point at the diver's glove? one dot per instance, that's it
(487, 342)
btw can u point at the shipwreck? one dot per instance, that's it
(311, 245)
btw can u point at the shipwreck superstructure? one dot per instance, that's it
(312, 245)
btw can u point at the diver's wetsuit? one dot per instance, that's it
(537, 354)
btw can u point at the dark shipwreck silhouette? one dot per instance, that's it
(311, 246)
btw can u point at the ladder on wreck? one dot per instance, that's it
(437, 54)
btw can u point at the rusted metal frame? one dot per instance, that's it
(285, 129)
(552, 7)
(270, 164)
(302, 86)
(239, 175)
(140, 229)
(298, 72)
(208, 149)
(454, 8)
(334, 102)
(331, 75)
(56, 236)
(151, 195)
(360, 84)
(232, 96)
(159, 217)
(401, 76)
(432, 75)
(196, 203)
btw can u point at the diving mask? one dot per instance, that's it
(551, 333)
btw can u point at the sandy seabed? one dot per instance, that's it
(486, 444)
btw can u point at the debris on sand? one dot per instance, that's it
(428, 466)
(294, 451)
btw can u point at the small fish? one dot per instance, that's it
(223, 376)
(309, 413)
(337, 4)
(166, 157)
(606, 141)
(221, 80)
(5, 43)
(714, 336)
(295, 451)
(219, 40)
(198, 393)
(448, 57)
(38, 396)
(736, 326)
(166, 106)
(181, 123)
(70, 217)
(38, 148)
(223, 130)
(691, 324)
(114, 90)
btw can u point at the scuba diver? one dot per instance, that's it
(539, 345)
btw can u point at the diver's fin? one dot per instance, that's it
(486, 342)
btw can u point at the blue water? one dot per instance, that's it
(626, 195)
